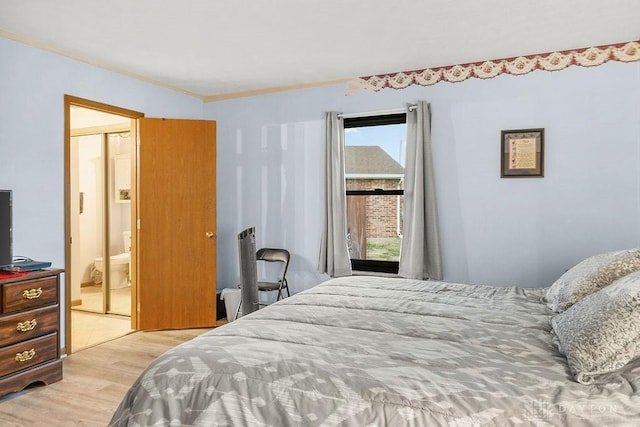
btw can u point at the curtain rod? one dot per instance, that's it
(376, 113)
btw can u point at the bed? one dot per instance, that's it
(373, 351)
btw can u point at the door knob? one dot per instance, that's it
(209, 234)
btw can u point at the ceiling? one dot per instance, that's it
(223, 48)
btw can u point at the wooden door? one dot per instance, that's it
(175, 239)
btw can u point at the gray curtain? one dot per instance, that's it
(334, 253)
(420, 252)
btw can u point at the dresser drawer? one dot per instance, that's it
(29, 353)
(28, 324)
(29, 294)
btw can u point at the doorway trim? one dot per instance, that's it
(70, 101)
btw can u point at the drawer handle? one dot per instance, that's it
(25, 355)
(32, 293)
(27, 325)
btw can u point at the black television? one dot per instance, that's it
(6, 243)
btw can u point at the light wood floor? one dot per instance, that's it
(95, 380)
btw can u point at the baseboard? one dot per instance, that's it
(75, 302)
(87, 284)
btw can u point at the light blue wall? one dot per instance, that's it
(494, 231)
(33, 83)
(270, 163)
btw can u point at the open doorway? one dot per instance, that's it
(173, 230)
(99, 158)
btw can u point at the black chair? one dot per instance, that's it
(273, 255)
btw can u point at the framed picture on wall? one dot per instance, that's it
(522, 153)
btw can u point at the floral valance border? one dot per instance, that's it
(554, 61)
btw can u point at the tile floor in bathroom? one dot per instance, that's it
(91, 297)
(89, 329)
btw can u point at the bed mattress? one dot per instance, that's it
(372, 351)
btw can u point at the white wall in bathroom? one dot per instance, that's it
(90, 220)
(87, 165)
(120, 213)
(90, 183)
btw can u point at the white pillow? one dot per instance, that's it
(601, 333)
(589, 276)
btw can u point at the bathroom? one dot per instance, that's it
(100, 226)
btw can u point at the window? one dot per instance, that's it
(374, 182)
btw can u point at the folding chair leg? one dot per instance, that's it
(238, 309)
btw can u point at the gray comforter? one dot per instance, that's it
(371, 351)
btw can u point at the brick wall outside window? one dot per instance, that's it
(381, 211)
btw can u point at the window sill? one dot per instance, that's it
(372, 273)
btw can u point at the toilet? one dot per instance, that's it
(120, 264)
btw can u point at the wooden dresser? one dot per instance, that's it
(29, 330)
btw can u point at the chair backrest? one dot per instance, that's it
(248, 270)
(275, 255)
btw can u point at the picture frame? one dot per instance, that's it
(522, 153)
